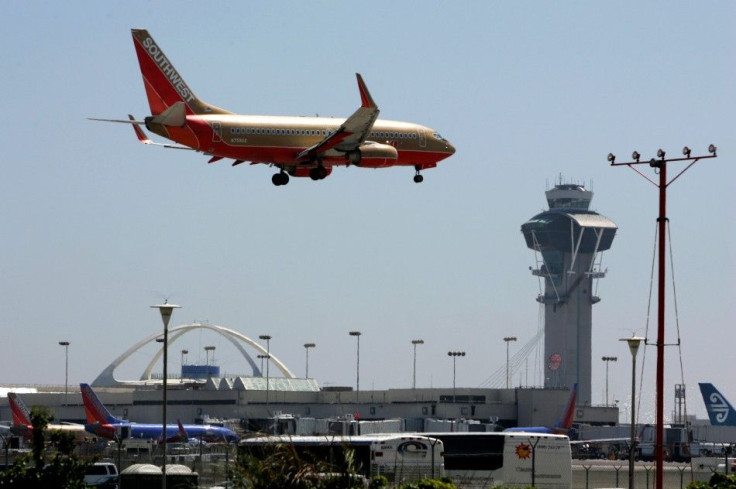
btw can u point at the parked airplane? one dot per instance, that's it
(22, 425)
(562, 426)
(720, 411)
(297, 146)
(101, 423)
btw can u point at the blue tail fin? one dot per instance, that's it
(720, 411)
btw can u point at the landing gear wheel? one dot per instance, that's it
(279, 179)
(318, 173)
(418, 178)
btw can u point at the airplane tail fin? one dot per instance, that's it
(720, 411)
(565, 423)
(95, 411)
(164, 86)
(183, 437)
(21, 413)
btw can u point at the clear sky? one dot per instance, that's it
(96, 227)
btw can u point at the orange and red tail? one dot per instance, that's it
(163, 83)
(21, 413)
(95, 411)
(565, 423)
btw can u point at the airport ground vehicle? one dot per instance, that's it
(508, 459)
(398, 456)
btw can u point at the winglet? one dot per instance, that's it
(365, 96)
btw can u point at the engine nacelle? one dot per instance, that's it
(373, 155)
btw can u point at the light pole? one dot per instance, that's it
(634, 343)
(357, 367)
(608, 360)
(262, 357)
(414, 378)
(207, 350)
(660, 166)
(307, 346)
(508, 339)
(268, 361)
(166, 310)
(65, 344)
(183, 354)
(454, 355)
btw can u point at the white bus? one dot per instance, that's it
(398, 457)
(510, 459)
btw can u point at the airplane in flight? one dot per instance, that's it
(562, 426)
(720, 411)
(22, 425)
(297, 146)
(102, 423)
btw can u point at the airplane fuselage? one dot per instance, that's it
(279, 139)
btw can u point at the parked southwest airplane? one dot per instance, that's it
(297, 146)
(562, 426)
(101, 423)
(22, 425)
(720, 411)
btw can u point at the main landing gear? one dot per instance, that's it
(318, 173)
(281, 178)
(418, 178)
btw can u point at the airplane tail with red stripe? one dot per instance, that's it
(95, 411)
(21, 413)
(164, 85)
(565, 423)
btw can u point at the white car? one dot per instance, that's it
(101, 474)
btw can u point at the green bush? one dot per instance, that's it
(378, 482)
(717, 481)
(444, 483)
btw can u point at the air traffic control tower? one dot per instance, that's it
(567, 241)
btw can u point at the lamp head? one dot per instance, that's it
(712, 149)
(686, 152)
(611, 158)
(635, 156)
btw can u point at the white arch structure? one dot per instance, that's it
(107, 377)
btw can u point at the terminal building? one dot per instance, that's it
(567, 239)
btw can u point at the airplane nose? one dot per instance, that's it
(450, 148)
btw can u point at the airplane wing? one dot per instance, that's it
(352, 132)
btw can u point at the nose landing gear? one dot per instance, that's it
(418, 178)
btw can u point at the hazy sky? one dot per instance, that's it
(96, 227)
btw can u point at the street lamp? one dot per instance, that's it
(166, 310)
(357, 367)
(65, 344)
(608, 360)
(634, 343)
(414, 378)
(267, 338)
(207, 350)
(183, 353)
(307, 346)
(454, 355)
(508, 339)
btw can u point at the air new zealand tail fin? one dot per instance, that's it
(720, 411)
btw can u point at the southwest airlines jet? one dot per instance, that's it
(22, 425)
(296, 146)
(101, 423)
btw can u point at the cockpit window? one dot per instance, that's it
(438, 136)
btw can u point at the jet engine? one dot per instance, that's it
(373, 155)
